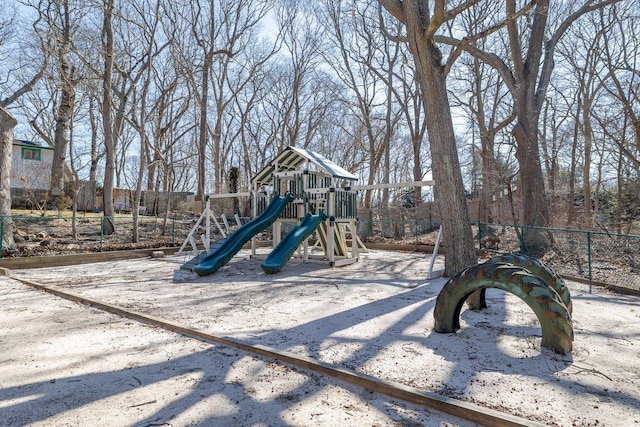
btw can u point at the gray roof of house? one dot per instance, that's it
(291, 158)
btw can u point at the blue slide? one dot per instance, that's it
(290, 242)
(234, 242)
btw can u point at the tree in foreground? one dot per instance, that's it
(7, 123)
(11, 89)
(421, 23)
(527, 75)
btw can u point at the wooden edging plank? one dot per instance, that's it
(613, 288)
(20, 263)
(465, 410)
(88, 258)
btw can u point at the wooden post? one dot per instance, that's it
(331, 236)
(254, 212)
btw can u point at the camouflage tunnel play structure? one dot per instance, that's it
(525, 277)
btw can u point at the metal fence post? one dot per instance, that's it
(589, 257)
(101, 230)
(479, 235)
(1, 233)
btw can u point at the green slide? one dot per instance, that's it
(234, 242)
(290, 242)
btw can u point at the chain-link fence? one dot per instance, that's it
(36, 235)
(408, 231)
(609, 258)
(600, 256)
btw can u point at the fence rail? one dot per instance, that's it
(37, 235)
(609, 258)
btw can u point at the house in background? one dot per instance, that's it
(30, 172)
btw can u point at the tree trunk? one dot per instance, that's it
(7, 124)
(202, 131)
(142, 166)
(234, 176)
(61, 136)
(571, 216)
(93, 167)
(620, 187)
(217, 153)
(416, 142)
(531, 181)
(65, 109)
(587, 133)
(450, 194)
(451, 199)
(489, 178)
(109, 142)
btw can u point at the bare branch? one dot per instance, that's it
(385, 32)
(395, 8)
(547, 68)
(28, 87)
(461, 8)
(489, 58)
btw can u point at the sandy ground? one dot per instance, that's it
(65, 364)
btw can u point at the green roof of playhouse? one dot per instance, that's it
(291, 158)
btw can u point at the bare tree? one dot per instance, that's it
(108, 52)
(620, 53)
(410, 99)
(586, 66)
(201, 17)
(7, 124)
(148, 25)
(421, 22)
(17, 82)
(351, 49)
(532, 63)
(301, 57)
(68, 79)
(488, 104)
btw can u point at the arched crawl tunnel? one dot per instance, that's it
(478, 300)
(542, 271)
(554, 318)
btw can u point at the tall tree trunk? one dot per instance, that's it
(142, 166)
(490, 177)
(153, 169)
(450, 194)
(416, 142)
(586, 168)
(234, 177)
(61, 135)
(217, 153)
(202, 131)
(7, 124)
(571, 216)
(93, 167)
(531, 181)
(386, 141)
(107, 96)
(65, 109)
(620, 187)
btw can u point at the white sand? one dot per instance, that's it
(66, 364)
